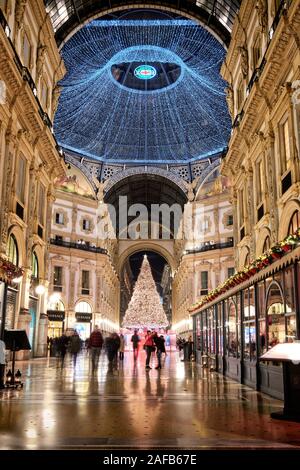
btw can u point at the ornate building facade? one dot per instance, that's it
(205, 262)
(259, 307)
(29, 162)
(84, 285)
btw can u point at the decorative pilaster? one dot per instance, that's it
(10, 145)
(268, 140)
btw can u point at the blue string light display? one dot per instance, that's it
(108, 112)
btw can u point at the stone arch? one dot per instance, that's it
(289, 208)
(205, 175)
(147, 170)
(19, 236)
(168, 7)
(38, 250)
(262, 235)
(245, 251)
(87, 301)
(146, 245)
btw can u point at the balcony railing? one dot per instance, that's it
(79, 246)
(26, 76)
(211, 246)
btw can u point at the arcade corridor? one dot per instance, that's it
(180, 407)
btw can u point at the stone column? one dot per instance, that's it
(233, 201)
(41, 349)
(250, 215)
(10, 145)
(271, 182)
(295, 99)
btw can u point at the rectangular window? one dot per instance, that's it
(204, 280)
(240, 95)
(57, 278)
(241, 207)
(285, 148)
(26, 51)
(86, 224)
(230, 272)
(85, 282)
(59, 218)
(256, 51)
(260, 181)
(44, 94)
(230, 220)
(42, 204)
(21, 175)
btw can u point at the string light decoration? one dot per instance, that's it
(107, 112)
(144, 309)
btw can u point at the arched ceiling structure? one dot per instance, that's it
(143, 91)
(69, 15)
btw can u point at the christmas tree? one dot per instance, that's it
(145, 309)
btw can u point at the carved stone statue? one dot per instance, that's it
(55, 97)
(244, 60)
(40, 59)
(19, 12)
(190, 188)
(101, 185)
(230, 100)
(262, 11)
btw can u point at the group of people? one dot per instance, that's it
(114, 346)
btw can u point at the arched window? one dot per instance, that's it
(83, 307)
(34, 265)
(56, 304)
(12, 250)
(294, 223)
(267, 244)
(275, 316)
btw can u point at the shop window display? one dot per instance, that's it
(249, 325)
(232, 338)
(275, 316)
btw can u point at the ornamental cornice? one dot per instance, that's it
(238, 34)
(26, 100)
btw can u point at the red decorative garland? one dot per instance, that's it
(273, 254)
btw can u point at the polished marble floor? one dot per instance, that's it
(181, 406)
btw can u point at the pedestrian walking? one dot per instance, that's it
(75, 346)
(95, 346)
(149, 347)
(135, 339)
(159, 342)
(122, 347)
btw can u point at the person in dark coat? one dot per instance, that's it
(112, 344)
(62, 346)
(159, 342)
(75, 346)
(135, 339)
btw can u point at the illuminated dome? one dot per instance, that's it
(143, 91)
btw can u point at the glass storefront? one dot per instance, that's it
(245, 325)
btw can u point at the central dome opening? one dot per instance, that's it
(146, 77)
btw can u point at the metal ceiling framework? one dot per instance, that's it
(68, 16)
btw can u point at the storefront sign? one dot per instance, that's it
(82, 317)
(56, 315)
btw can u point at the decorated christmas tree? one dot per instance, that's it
(145, 309)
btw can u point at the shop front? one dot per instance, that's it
(33, 310)
(231, 334)
(56, 320)
(83, 324)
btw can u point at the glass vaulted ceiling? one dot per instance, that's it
(67, 15)
(143, 91)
